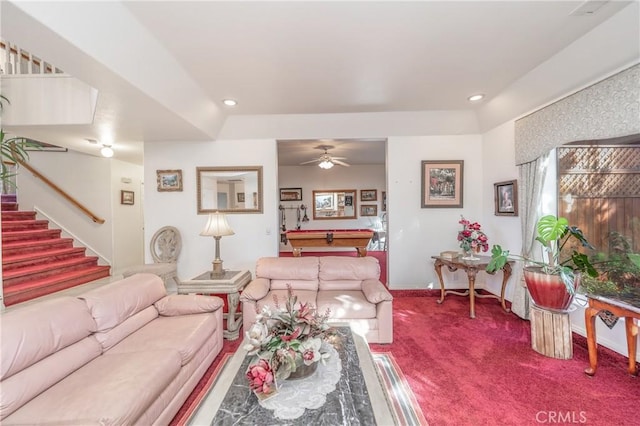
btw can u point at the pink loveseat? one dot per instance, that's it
(349, 286)
(122, 354)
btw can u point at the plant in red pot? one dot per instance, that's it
(552, 282)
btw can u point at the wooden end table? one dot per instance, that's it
(620, 309)
(471, 267)
(231, 283)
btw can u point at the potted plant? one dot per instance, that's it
(552, 282)
(12, 150)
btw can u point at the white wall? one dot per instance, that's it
(95, 183)
(255, 234)
(415, 234)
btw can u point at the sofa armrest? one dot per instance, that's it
(185, 304)
(256, 290)
(375, 291)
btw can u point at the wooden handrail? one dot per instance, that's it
(60, 191)
(36, 61)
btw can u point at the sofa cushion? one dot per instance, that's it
(113, 336)
(21, 387)
(288, 268)
(304, 296)
(113, 389)
(375, 291)
(113, 303)
(347, 273)
(185, 334)
(185, 304)
(36, 331)
(345, 304)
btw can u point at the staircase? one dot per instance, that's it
(36, 261)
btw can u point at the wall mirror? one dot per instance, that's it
(334, 204)
(229, 189)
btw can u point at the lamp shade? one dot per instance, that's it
(217, 226)
(326, 164)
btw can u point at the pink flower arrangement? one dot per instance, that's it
(282, 339)
(471, 238)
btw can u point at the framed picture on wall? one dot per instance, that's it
(442, 184)
(506, 198)
(169, 180)
(368, 210)
(368, 195)
(126, 197)
(384, 201)
(290, 194)
(240, 197)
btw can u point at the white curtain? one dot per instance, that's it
(531, 182)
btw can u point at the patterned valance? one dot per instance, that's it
(607, 109)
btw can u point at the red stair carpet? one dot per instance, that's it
(483, 371)
(36, 261)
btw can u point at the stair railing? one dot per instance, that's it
(102, 259)
(15, 60)
(60, 191)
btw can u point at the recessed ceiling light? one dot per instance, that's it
(230, 102)
(476, 98)
(106, 151)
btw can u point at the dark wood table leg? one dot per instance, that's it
(590, 322)
(438, 268)
(632, 344)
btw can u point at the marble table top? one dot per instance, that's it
(359, 398)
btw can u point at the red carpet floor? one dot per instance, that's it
(483, 371)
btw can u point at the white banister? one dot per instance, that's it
(18, 61)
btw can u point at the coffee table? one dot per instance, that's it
(358, 394)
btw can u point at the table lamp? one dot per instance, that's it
(217, 227)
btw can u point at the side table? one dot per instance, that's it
(471, 267)
(230, 284)
(620, 309)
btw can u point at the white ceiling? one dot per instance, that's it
(155, 62)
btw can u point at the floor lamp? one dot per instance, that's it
(217, 227)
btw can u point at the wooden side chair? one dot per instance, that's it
(165, 249)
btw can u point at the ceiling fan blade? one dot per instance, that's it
(338, 158)
(342, 163)
(311, 161)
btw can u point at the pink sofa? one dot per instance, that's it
(349, 286)
(124, 353)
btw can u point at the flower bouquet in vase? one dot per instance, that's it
(472, 239)
(286, 343)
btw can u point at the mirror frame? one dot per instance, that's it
(229, 169)
(334, 191)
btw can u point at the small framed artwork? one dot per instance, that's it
(126, 197)
(169, 180)
(368, 210)
(240, 197)
(368, 195)
(506, 198)
(384, 201)
(290, 194)
(442, 184)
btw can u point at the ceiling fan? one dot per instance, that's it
(327, 161)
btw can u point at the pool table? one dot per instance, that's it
(358, 238)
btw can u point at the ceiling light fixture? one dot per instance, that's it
(230, 102)
(326, 164)
(476, 98)
(106, 151)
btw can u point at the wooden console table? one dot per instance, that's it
(471, 267)
(619, 309)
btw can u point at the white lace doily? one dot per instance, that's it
(294, 396)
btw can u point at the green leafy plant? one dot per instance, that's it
(553, 233)
(13, 150)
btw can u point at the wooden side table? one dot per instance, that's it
(620, 309)
(471, 267)
(230, 284)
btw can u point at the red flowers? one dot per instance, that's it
(261, 377)
(471, 237)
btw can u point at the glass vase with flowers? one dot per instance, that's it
(471, 238)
